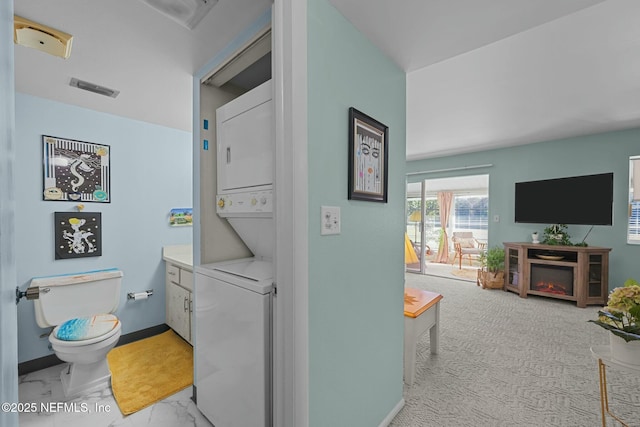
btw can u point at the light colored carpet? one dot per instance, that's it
(510, 361)
(147, 371)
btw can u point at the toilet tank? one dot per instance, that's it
(67, 296)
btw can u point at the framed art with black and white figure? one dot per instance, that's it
(78, 234)
(368, 158)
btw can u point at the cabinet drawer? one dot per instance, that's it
(186, 280)
(173, 273)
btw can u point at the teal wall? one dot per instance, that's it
(150, 174)
(600, 153)
(355, 278)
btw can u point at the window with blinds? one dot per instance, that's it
(633, 229)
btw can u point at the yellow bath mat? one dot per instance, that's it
(147, 371)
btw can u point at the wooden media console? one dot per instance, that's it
(574, 273)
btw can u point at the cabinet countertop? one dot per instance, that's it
(180, 255)
(559, 248)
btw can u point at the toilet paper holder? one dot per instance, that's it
(140, 295)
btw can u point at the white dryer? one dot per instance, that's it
(245, 135)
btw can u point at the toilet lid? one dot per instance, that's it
(86, 328)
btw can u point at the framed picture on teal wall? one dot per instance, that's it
(368, 158)
(75, 170)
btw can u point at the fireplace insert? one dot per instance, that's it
(552, 279)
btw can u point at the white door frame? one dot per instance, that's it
(291, 371)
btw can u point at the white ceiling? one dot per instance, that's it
(494, 73)
(128, 46)
(481, 73)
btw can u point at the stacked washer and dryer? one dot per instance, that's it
(234, 298)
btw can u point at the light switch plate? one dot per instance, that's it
(329, 220)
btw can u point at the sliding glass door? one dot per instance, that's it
(467, 212)
(414, 236)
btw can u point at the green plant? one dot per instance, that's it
(556, 234)
(493, 259)
(482, 258)
(621, 316)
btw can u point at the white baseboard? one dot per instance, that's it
(391, 415)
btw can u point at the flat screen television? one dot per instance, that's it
(584, 200)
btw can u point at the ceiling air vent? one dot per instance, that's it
(91, 87)
(186, 12)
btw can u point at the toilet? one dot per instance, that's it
(80, 307)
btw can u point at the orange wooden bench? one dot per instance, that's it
(421, 314)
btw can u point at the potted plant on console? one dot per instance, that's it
(556, 235)
(621, 317)
(491, 275)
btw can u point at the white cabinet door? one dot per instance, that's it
(179, 310)
(179, 302)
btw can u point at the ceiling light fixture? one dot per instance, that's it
(37, 36)
(92, 87)
(186, 12)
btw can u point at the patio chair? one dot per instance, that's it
(465, 244)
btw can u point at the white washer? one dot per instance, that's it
(233, 334)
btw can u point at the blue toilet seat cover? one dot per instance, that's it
(85, 328)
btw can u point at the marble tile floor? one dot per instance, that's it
(44, 389)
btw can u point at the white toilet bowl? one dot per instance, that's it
(88, 370)
(86, 351)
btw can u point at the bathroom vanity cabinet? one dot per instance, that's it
(179, 290)
(178, 294)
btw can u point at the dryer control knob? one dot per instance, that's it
(253, 201)
(263, 200)
(221, 203)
